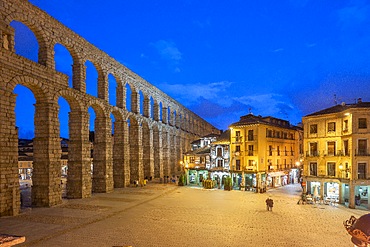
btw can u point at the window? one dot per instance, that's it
(361, 170)
(291, 151)
(331, 169)
(220, 163)
(313, 129)
(219, 151)
(331, 126)
(362, 147)
(278, 150)
(313, 169)
(237, 148)
(268, 133)
(192, 159)
(313, 149)
(345, 125)
(270, 150)
(250, 135)
(362, 124)
(251, 162)
(237, 163)
(331, 148)
(250, 150)
(345, 148)
(238, 138)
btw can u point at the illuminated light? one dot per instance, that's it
(346, 114)
(340, 166)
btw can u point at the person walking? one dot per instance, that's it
(269, 204)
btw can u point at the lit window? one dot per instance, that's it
(313, 129)
(331, 169)
(331, 126)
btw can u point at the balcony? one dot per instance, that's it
(252, 137)
(362, 152)
(238, 139)
(237, 153)
(313, 154)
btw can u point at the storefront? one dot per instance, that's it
(276, 179)
(196, 177)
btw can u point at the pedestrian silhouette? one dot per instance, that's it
(269, 204)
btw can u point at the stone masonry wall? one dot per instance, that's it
(116, 160)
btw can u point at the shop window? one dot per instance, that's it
(331, 148)
(361, 170)
(331, 169)
(313, 129)
(362, 124)
(331, 127)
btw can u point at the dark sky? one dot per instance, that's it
(224, 59)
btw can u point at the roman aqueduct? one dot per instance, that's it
(147, 144)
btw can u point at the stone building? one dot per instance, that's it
(149, 139)
(208, 158)
(264, 152)
(337, 157)
(25, 158)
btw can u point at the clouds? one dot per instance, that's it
(191, 93)
(169, 52)
(214, 102)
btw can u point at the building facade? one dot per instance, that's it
(208, 159)
(337, 157)
(265, 152)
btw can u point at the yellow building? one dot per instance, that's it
(265, 152)
(337, 157)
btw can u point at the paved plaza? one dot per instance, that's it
(169, 215)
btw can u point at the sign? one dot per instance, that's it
(303, 183)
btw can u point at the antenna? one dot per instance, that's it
(335, 99)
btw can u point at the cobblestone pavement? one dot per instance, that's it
(168, 215)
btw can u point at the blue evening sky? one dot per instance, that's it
(224, 59)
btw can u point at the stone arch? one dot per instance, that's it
(128, 96)
(157, 147)
(136, 148)
(102, 78)
(102, 180)
(121, 158)
(148, 151)
(37, 87)
(34, 26)
(79, 164)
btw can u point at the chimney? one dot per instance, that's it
(359, 100)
